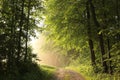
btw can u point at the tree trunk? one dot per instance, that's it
(92, 52)
(89, 37)
(100, 36)
(26, 54)
(104, 63)
(118, 19)
(20, 31)
(11, 45)
(109, 56)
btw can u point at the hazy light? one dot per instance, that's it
(47, 57)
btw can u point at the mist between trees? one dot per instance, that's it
(85, 30)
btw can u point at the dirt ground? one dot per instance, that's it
(62, 74)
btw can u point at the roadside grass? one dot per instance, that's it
(87, 72)
(39, 72)
(43, 72)
(31, 72)
(47, 72)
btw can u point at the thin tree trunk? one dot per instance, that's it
(104, 63)
(108, 41)
(26, 54)
(118, 12)
(118, 19)
(109, 56)
(92, 52)
(20, 31)
(89, 37)
(100, 36)
(11, 46)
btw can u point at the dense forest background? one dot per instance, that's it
(87, 32)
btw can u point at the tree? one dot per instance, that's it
(90, 41)
(17, 24)
(71, 24)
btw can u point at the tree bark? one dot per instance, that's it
(109, 56)
(20, 31)
(118, 19)
(89, 37)
(100, 36)
(26, 54)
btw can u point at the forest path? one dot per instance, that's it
(63, 74)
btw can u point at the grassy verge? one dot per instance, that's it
(43, 72)
(47, 72)
(87, 72)
(30, 72)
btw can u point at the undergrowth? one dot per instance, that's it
(88, 73)
(42, 73)
(30, 71)
(48, 72)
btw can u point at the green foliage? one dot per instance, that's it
(71, 27)
(88, 73)
(30, 71)
(39, 73)
(85, 68)
(115, 58)
(61, 23)
(17, 24)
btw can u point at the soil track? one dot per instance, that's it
(62, 74)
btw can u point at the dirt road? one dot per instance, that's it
(62, 74)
